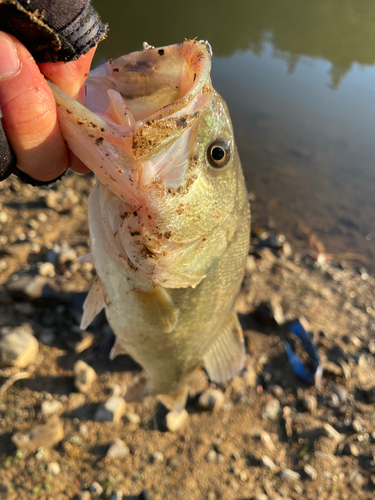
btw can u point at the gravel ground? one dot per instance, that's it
(265, 435)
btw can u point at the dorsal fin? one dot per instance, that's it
(93, 304)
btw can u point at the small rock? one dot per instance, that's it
(371, 346)
(132, 418)
(330, 432)
(96, 490)
(157, 456)
(211, 457)
(117, 449)
(47, 269)
(67, 255)
(310, 403)
(84, 495)
(250, 377)
(267, 462)
(117, 495)
(50, 407)
(287, 249)
(176, 461)
(289, 475)
(330, 368)
(350, 449)
(53, 468)
(175, 420)
(18, 346)
(311, 472)
(267, 441)
(111, 411)
(260, 496)
(82, 342)
(276, 390)
(357, 477)
(334, 401)
(40, 436)
(211, 399)
(84, 376)
(341, 392)
(272, 409)
(116, 390)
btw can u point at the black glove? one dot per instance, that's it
(52, 30)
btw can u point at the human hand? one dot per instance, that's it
(28, 108)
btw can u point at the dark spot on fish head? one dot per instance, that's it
(116, 70)
(135, 213)
(99, 140)
(161, 52)
(195, 76)
(181, 122)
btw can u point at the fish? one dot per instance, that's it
(169, 215)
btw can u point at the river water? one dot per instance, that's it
(299, 80)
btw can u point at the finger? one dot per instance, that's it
(70, 78)
(29, 114)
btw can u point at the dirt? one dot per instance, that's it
(268, 411)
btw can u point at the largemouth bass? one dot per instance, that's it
(169, 215)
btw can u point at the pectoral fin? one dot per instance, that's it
(158, 305)
(93, 304)
(226, 357)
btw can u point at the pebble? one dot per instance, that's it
(96, 490)
(83, 341)
(276, 390)
(111, 411)
(250, 377)
(272, 409)
(47, 269)
(176, 461)
(117, 449)
(267, 441)
(341, 392)
(50, 407)
(117, 495)
(40, 436)
(310, 403)
(132, 418)
(18, 346)
(311, 472)
(334, 401)
(84, 495)
(47, 337)
(211, 399)
(357, 477)
(211, 456)
(330, 368)
(330, 432)
(84, 376)
(267, 462)
(53, 468)
(67, 255)
(260, 496)
(289, 475)
(157, 456)
(175, 420)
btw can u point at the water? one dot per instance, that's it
(298, 78)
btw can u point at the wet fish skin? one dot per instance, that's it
(169, 232)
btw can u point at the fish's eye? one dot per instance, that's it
(218, 153)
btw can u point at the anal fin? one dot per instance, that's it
(93, 304)
(226, 357)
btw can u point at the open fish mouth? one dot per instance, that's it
(136, 107)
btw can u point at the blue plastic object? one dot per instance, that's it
(300, 369)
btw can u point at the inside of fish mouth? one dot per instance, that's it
(151, 82)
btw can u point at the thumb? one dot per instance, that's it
(70, 76)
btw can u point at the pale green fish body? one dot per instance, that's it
(169, 216)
